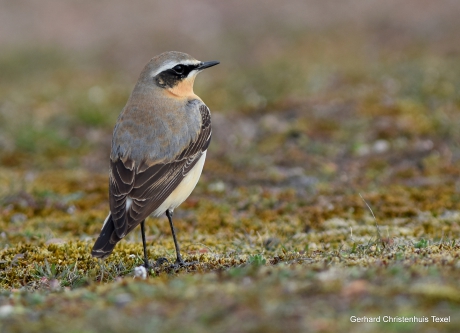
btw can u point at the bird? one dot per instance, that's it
(158, 150)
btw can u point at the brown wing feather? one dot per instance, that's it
(147, 186)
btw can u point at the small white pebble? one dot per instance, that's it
(123, 299)
(71, 210)
(6, 310)
(217, 187)
(140, 272)
(381, 146)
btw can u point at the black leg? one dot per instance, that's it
(179, 258)
(146, 259)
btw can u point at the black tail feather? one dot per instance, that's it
(106, 241)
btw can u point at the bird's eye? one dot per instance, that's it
(179, 69)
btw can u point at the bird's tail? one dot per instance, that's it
(107, 239)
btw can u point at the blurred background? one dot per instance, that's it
(307, 93)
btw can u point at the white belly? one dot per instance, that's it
(183, 190)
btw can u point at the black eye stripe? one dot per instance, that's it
(172, 76)
(182, 70)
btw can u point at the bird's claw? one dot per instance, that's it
(180, 264)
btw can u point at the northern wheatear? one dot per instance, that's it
(158, 149)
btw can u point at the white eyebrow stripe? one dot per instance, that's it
(171, 64)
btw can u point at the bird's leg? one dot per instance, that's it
(179, 260)
(146, 259)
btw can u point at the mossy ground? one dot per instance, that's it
(331, 190)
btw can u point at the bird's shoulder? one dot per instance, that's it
(159, 133)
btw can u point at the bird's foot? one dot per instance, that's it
(180, 263)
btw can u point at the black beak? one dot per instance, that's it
(207, 64)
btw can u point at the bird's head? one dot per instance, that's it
(174, 72)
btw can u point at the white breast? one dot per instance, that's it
(183, 190)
